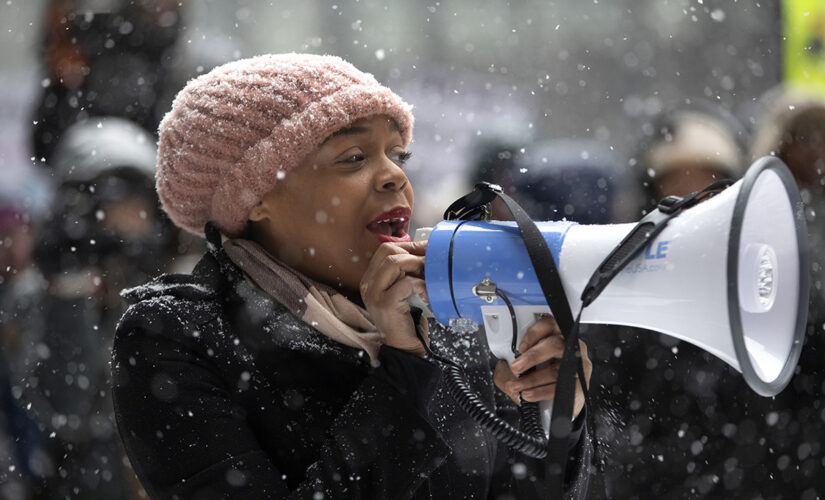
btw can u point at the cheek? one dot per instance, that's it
(306, 212)
(410, 194)
(335, 226)
(341, 210)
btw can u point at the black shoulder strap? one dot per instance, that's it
(474, 206)
(550, 281)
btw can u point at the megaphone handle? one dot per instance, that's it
(546, 414)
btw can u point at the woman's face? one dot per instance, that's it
(329, 214)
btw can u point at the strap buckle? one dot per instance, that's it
(671, 204)
(474, 205)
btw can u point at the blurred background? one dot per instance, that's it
(586, 110)
(510, 71)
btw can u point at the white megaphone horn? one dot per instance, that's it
(729, 275)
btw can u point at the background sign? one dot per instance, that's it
(804, 44)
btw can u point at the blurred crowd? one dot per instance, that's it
(84, 223)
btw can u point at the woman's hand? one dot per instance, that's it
(542, 342)
(394, 273)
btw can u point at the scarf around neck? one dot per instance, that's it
(319, 305)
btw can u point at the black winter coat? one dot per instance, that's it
(221, 391)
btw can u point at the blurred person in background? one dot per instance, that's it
(792, 127)
(104, 232)
(13, 479)
(103, 58)
(23, 201)
(580, 180)
(577, 180)
(689, 150)
(496, 163)
(105, 213)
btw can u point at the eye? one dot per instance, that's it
(356, 158)
(402, 157)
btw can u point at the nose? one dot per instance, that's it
(390, 177)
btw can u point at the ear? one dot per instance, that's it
(259, 212)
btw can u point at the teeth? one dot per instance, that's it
(399, 220)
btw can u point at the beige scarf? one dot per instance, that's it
(319, 305)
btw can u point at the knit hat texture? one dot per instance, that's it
(234, 132)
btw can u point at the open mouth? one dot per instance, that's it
(391, 225)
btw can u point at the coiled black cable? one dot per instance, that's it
(533, 444)
(531, 440)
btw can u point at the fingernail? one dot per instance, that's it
(517, 365)
(514, 387)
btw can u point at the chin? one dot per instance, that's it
(351, 276)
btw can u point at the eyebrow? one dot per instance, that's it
(348, 131)
(357, 130)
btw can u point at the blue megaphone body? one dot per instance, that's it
(493, 250)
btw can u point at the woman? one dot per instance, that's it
(288, 363)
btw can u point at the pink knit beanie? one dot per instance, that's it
(232, 131)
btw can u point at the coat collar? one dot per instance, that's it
(252, 315)
(255, 312)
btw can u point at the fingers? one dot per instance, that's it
(546, 349)
(388, 265)
(393, 251)
(392, 269)
(413, 247)
(542, 376)
(543, 393)
(540, 385)
(545, 327)
(394, 273)
(502, 376)
(537, 386)
(402, 289)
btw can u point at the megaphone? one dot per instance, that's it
(729, 275)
